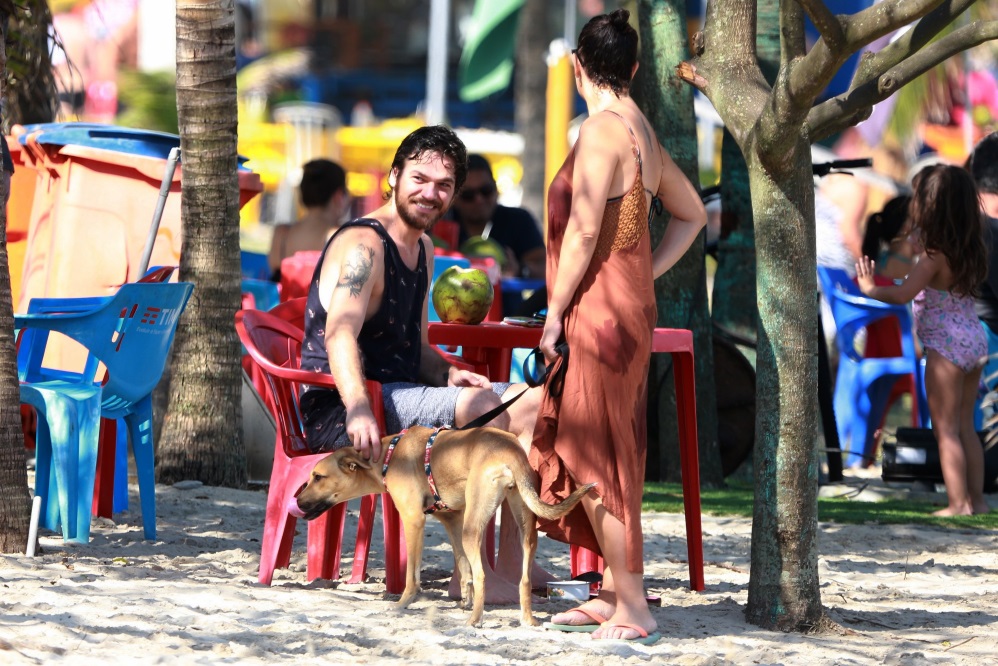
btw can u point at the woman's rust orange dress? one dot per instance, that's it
(596, 429)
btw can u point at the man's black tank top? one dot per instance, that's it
(390, 341)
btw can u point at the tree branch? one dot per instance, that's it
(883, 18)
(831, 114)
(812, 73)
(828, 24)
(873, 65)
(779, 124)
(734, 24)
(726, 51)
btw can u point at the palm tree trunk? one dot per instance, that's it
(202, 431)
(531, 87)
(15, 502)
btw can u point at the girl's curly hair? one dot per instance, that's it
(946, 212)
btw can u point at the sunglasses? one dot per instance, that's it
(575, 52)
(471, 193)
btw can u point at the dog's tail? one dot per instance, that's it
(547, 511)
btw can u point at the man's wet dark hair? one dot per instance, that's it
(608, 50)
(984, 164)
(434, 139)
(320, 180)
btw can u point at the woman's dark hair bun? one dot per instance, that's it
(620, 17)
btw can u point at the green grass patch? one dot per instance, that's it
(737, 498)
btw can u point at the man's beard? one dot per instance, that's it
(415, 218)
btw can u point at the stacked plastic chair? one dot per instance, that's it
(863, 384)
(129, 334)
(275, 346)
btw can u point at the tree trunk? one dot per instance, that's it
(783, 585)
(733, 302)
(733, 306)
(681, 294)
(15, 499)
(202, 431)
(531, 100)
(31, 96)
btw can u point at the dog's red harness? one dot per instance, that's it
(438, 504)
(388, 455)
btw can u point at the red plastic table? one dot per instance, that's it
(491, 345)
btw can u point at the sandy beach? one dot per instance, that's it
(902, 595)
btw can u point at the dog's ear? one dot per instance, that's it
(350, 461)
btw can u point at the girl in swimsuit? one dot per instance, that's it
(948, 231)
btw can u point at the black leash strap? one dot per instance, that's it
(548, 374)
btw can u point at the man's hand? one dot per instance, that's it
(864, 275)
(364, 433)
(458, 377)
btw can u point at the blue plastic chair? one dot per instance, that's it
(32, 346)
(129, 333)
(264, 292)
(862, 385)
(254, 265)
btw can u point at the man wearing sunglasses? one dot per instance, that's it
(479, 213)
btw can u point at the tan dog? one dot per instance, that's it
(474, 471)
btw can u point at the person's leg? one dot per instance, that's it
(473, 402)
(522, 417)
(973, 450)
(623, 589)
(944, 389)
(523, 412)
(501, 584)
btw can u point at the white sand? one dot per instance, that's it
(903, 594)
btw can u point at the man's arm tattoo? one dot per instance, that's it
(358, 268)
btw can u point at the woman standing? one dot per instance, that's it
(600, 276)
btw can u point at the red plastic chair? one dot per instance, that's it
(275, 346)
(449, 232)
(296, 274)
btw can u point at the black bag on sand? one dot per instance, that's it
(914, 456)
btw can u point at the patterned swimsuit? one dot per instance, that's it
(947, 323)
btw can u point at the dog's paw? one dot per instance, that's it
(406, 599)
(529, 620)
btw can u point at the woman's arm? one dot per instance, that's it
(681, 199)
(596, 159)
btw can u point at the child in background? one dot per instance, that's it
(948, 234)
(886, 240)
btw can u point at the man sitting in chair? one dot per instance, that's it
(366, 318)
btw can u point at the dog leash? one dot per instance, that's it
(553, 376)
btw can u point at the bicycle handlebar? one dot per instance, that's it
(820, 169)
